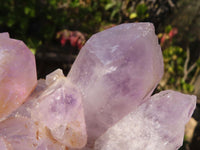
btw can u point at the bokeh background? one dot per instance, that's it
(55, 31)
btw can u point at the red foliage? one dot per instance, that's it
(172, 33)
(75, 38)
(168, 36)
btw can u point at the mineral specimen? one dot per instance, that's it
(115, 71)
(114, 74)
(59, 108)
(17, 74)
(56, 107)
(157, 124)
(18, 133)
(21, 133)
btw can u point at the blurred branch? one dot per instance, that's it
(171, 3)
(186, 62)
(195, 76)
(186, 69)
(192, 67)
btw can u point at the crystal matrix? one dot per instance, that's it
(156, 124)
(17, 74)
(52, 118)
(59, 108)
(114, 74)
(115, 71)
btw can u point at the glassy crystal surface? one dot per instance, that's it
(56, 107)
(17, 74)
(18, 133)
(59, 108)
(114, 76)
(157, 124)
(115, 71)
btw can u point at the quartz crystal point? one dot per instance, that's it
(59, 108)
(17, 74)
(115, 71)
(56, 117)
(157, 124)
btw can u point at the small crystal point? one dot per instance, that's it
(59, 108)
(4, 35)
(17, 74)
(114, 74)
(157, 124)
(55, 111)
(115, 71)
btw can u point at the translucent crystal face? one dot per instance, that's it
(17, 74)
(116, 70)
(158, 123)
(106, 98)
(18, 133)
(53, 116)
(59, 108)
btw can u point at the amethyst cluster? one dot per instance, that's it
(104, 103)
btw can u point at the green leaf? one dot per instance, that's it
(52, 2)
(109, 6)
(185, 87)
(27, 10)
(198, 62)
(133, 15)
(141, 10)
(168, 28)
(33, 50)
(10, 22)
(114, 12)
(32, 13)
(191, 88)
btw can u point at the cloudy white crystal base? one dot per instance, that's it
(157, 124)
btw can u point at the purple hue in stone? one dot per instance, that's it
(3, 144)
(18, 133)
(22, 133)
(59, 108)
(17, 74)
(114, 74)
(115, 71)
(56, 114)
(157, 124)
(4, 35)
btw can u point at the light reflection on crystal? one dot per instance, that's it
(114, 74)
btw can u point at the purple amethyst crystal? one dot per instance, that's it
(157, 124)
(115, 71)
(107, 91)
(17, 74)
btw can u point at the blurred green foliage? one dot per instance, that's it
(36, 22)
(174, 60)
(179, 73)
